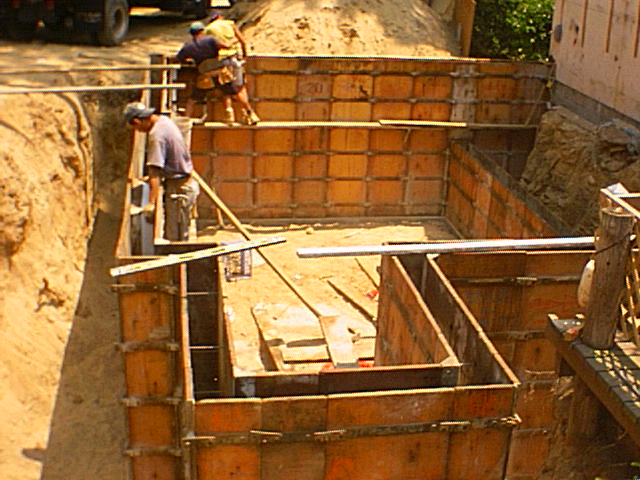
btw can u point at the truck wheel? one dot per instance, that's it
(115, 23)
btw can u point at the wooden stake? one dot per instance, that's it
(612, 252)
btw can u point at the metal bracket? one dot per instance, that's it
(140, 401)
(166, 346)
(263, 437)
(168, 288)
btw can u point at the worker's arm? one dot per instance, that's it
(155, 174)
(240, 38)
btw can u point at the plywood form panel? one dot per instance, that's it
(527, 455)
(392, 86)
(232, 167)
(201, 139)
(313, 111)
(202, 164)
(478, 454)
(346, 192)
(345, 211)
(154, 467)
(387, 165)
(352, 86)
(430, 165)
(428, 140)
(275, 85)
(431, 111)
(274, 140)
(385, 191)
(433, 87)
(387, 140)
(149, 373)
(273, 193)
(535, 405)
(534, 356)
(492, 140)
(227, 416)
(275, 111)
(540, 300)
(272, 167)
(351, 111)
(349, 139)
(425, 194)
(497, 67)
(390, 110)
(293, 462)
(493, 113)
(232, 140)
(418, 456)
(312, 139)
(347, 166)
(497, 308)
(314, 86)
(151, 426)
(309, 192)
(236, 194)
(310, 166)
(228, 462)
(278, 64)
(496, 88)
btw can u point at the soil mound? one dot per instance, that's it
(346, 27)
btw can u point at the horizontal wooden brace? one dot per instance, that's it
(262, 437)
(516, 335)
(168, 288)
(526, 281)
(167, 346)
(152, 451)
(155, 400)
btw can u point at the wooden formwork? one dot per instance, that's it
(483, 201)
(511, 294)
(323, 171)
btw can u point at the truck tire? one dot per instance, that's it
(115, 23)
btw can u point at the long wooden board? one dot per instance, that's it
(195, 255)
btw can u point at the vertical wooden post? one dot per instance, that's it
(612, 251)
(603, 310)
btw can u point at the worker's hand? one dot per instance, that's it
(148, 211)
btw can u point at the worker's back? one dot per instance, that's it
(223, 31)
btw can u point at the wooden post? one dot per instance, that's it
(603, 310)
(612, 252)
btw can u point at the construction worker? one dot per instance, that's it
(226, 32)
(169, 164)
(199, 48)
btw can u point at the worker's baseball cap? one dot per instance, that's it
(137, 110)
(196, 27)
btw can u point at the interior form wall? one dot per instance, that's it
(596, 46)
(513, 313)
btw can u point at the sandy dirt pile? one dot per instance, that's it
(46, 191)
(347, 27)
(573, 159)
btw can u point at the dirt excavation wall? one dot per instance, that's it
(573, 159)
(46, 216)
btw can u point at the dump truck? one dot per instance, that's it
(107, 21)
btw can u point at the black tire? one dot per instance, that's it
(115, 23)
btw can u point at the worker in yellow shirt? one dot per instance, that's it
(226, 32)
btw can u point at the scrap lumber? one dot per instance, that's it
(339, 341)
(194, 255)
(371, 274)
(367, 310)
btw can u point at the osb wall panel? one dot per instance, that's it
(407, 333)
(480, 205)
(430, 455)
(322, 171)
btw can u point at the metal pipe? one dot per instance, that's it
(449, 247)
(90, 88)
(89, 68)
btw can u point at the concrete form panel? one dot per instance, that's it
(431, 111)
(313, 111)
(527, 455)
(387, 166)
(390, 111)
(273, 166)
(348, 139)
(387, 140)
(274, 141)
(232, 167)
(314, 86)
(275, 111)
(151, 426)
(275, 86)
(392, 86)
(310, 166)
(273, 193)
(346, 192)
(347, 166)
(154, 467)
(352, 87)
(149, 373)
(312, 139)
(351, 111)
(230, 140)
(433, 87)
(428, 140)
